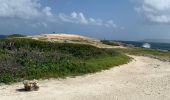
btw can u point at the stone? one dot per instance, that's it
(31, 85)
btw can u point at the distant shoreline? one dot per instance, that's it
(161, 46)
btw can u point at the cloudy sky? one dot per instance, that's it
(104, 19)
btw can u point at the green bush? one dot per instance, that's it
(144, 51)
(15, 35)
(108, 42)
(31, 59)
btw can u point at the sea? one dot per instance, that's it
(2, 36)
(161, 46)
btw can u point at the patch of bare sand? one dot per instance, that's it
(142, 79)
(72, 38)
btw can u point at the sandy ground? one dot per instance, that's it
(72, 38)
(142, 79)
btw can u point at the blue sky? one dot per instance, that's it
(104, 19)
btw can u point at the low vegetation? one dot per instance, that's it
(143, 51)
(15, 36)
(158, 54)
(108, 42)
(22, 59)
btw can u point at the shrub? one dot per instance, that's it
(22, 58)
(15, 35)
(108, 42)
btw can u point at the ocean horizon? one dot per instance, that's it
(161, 46)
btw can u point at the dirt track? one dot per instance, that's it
(142, 79)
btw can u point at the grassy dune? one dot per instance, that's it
(31, 59)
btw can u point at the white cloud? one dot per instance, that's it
(31, 11)
(25, 9)
(47, 11)
(98, 22)
(83, 19)
(110, 23)
(74, 14)
(155, 10)
(74, 17)
(79, 18)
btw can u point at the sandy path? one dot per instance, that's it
(142, 79)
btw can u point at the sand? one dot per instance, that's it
(142, 79)
(72, 38)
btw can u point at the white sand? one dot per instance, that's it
(142, 79)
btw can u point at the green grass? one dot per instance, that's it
(143, 51)
(108, 42)
(31, 59)
(15, 36)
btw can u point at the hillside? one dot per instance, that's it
(70, 38)
(23, 58)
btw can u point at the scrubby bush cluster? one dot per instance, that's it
(22, 58)
(15, 35)
(109, 42)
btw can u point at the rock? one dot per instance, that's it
(31, 85)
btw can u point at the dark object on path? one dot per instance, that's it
(31, 85)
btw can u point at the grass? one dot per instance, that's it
(15, 35)
(22, 59)
(108, 42)
(153, 53)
